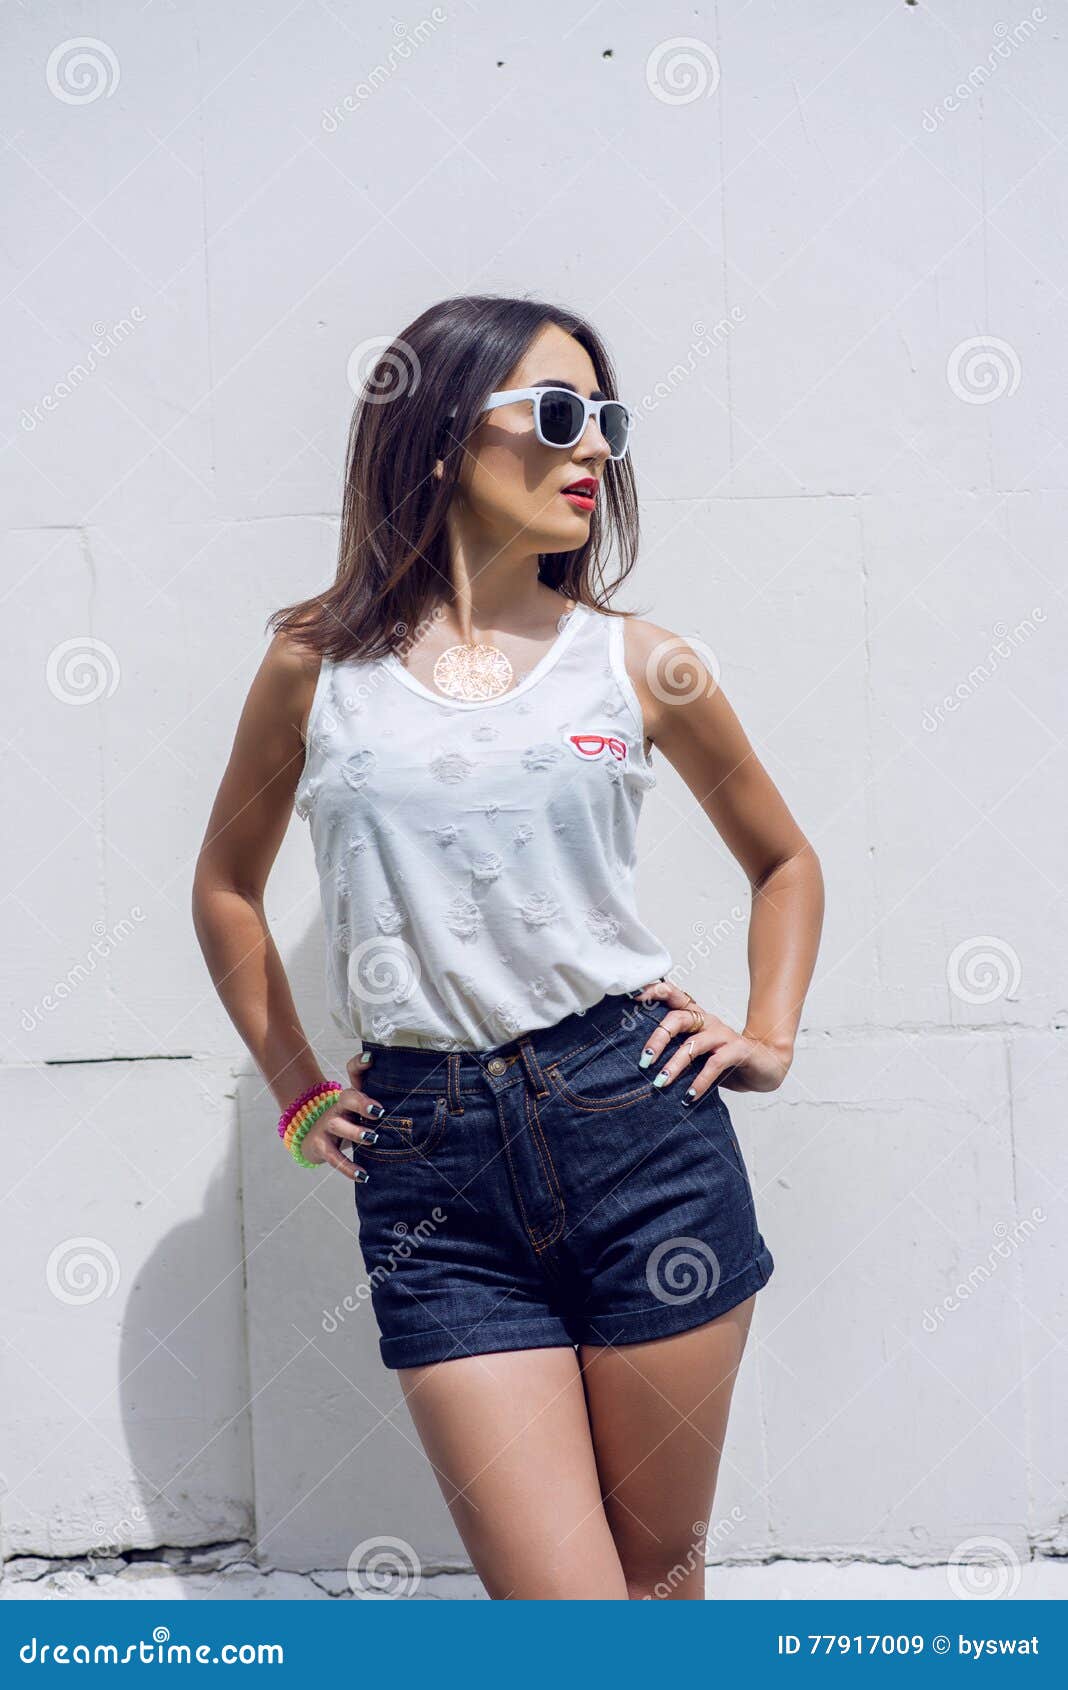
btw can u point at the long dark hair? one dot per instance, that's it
(393, 558)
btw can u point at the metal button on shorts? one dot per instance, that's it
(496, 1065)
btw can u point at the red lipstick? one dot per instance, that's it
(582, 493)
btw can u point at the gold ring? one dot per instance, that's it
(698, 1017)
(689, 999)
(689, 1047)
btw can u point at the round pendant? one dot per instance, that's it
(472, 672)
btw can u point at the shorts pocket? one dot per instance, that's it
(603, 1079)
(415, 1133)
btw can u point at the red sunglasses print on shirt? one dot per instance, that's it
(592, 746)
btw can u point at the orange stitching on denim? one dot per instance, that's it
(533, 1071)
(593, 1105)
(534, 1121)
(436, 1129)
(401, 1089)
(516, 1185)
(452, 1080)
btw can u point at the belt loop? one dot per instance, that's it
(530, 1064)
(452, 1083)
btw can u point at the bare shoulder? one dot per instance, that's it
(665, 668)
(285, 682)
(644, 640)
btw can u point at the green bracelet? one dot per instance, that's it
(319, 1107)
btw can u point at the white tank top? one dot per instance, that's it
(476, 859)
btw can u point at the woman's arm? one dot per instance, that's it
(246, 827)
(688, 718)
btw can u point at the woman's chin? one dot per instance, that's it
(564, 534)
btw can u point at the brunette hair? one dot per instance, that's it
(422, 402)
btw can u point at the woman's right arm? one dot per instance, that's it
(246, 827)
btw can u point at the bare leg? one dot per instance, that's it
(508, 1437)
(659, 1416)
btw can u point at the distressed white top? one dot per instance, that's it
(476, 859)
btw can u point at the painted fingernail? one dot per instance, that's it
(689, 1096)
(361, 1176)
(368, 1136)
(645, 1058)
(662, 1079)
(375, 1111)
(364, 1058)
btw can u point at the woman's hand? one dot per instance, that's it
(734, 1060)
(340, 1125)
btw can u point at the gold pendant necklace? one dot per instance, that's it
(477, 672)
(473, 672)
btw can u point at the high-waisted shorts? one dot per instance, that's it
(544, 1192)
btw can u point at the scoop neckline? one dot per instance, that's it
(545, 662)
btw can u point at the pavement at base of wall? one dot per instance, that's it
(189, 1577)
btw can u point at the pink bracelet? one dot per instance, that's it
(298, 1103)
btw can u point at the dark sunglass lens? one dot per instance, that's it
(561, 417)
(615, 426)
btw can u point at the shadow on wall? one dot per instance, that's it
(336, 1461)
(181, 1367)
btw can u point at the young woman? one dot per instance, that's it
(553, 1208)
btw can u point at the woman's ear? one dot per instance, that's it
(441, 444)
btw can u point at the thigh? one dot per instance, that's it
(658, 1415)
(508, 1436)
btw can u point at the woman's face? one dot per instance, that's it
(510, 484)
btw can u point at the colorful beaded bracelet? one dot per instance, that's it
(291, 1109)
(303, 1120)
(312, 1110)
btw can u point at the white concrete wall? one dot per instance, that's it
(832, 500)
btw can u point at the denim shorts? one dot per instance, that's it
(544, 1192)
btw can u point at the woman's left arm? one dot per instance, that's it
(689, 719)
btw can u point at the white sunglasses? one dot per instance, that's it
(560, 416)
